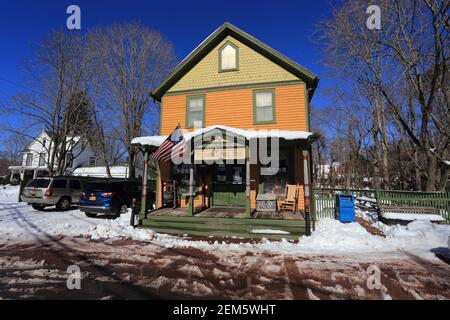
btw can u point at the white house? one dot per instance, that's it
(80, 160)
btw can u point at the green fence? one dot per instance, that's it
(438, 200)
(324, 200)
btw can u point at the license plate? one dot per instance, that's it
(92, 198)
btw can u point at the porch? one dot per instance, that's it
(217, 192)
(227, 223)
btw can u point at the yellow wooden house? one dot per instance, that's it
(231, 93)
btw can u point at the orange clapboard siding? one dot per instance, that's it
(234, 108)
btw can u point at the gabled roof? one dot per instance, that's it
(214, 39)
(26, 149)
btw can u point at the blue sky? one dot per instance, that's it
(287, 26)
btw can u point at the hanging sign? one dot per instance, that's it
(219, 154)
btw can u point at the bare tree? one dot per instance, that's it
(403, 70)
(58, 74)
(133, 60)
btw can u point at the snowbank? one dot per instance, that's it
(416, 236)
(9, 194)
(412, 216)
(18, 221)
(333, 236)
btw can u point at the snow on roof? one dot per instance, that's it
(100, 172)
(248, 134)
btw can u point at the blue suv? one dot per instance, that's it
(109, 197)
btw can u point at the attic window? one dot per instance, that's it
(228, 57)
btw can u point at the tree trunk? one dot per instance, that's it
(132, 153)
(432, 168)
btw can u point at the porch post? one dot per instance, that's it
(191, 190)
(306, 173)
(144, 186)
(247, 183)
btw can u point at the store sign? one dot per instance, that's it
(219, 154)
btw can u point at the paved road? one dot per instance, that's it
(126, 269)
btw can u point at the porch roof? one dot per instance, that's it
(27, 168)
(247, 134)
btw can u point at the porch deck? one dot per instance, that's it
(227, 222)
(237, 213)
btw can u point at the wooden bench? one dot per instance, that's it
(409, 213)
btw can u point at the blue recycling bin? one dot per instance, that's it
(345, 208)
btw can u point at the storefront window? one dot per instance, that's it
(181, 176)
(277, 183)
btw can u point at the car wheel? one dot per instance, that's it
(38, 207)
(122, 210)
(90, 214)
(63, 204)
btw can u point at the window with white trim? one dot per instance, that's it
(264, 106)
(41, 159)
(228, 57)
(195, 109)
(29, 161)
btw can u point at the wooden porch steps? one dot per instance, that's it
(225, 227)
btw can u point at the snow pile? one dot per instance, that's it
(99, 228)
(334, 236)
(269, 231)
(416, 236)
(9, 194)
(20, 221)
(412, 216)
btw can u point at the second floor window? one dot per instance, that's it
(41, 159)
(264, 106)
(29, 161)
(195, 112)
(92, 161)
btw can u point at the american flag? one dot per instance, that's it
(175, 144)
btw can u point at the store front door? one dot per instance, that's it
(228, 187)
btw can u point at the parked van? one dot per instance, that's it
(55, 191)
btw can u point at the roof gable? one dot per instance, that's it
(215, 39)
(252, 68)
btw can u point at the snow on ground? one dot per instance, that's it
(9, 194)
(412, 216)
(19, 222)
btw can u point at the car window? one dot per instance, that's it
(75, 184)
(61, 184)
(98, 186)
(39, 183)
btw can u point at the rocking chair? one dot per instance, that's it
(291, 200)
